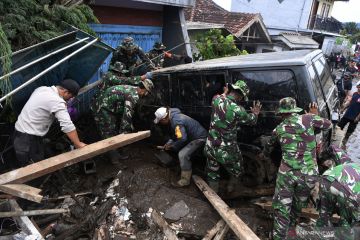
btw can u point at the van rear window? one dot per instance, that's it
(268, 85)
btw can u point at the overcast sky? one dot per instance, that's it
(347, 11)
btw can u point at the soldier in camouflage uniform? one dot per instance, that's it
(131, 55)
(221, 145)
(158, 54)
(118, 76)
(298, 169)
(340, 186)
(113, 109)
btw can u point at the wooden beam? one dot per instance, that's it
(222, 233)
(33, 212)
(22, 191)
(160, 221)
(55, 163)
(241, 230)
(24, 222)
(212, 232)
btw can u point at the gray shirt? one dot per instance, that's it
(43, 106)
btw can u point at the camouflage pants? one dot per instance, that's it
(227, 156)
(332, 193)
(106, 123)
(292, 193)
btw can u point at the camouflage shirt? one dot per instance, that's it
(158, 57)
(226, 117)
(117, 99)
(136, 57)
(348, 175)
(297, 139)
(111, 79)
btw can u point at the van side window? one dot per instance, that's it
(324, 75)
(317, 87)
(191, 90)
(161, 92)
(214, 85)
(268, 85)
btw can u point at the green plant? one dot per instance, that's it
(213, 44)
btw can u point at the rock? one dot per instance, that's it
(177, 211)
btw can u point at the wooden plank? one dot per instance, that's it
(33, 212)
(243, 191)
(24, 222)
(241, 230)
(160, 221)
(55, 163)
(213, 231)
(222, 233)
(22, 191)
(69, 196)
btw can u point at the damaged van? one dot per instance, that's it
(303, 75)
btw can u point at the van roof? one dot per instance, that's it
(273, 59)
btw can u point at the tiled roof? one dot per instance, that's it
(210, 12)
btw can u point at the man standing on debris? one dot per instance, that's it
(298, 169)
(221, 145)
(158, 54)
(130, 54)
(340, 186)
(44, 105)
(116, 105)
(187, 136)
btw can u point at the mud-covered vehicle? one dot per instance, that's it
(303, 75)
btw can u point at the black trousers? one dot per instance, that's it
(351, 128)
(28, 148)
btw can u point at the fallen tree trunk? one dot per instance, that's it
(240, 229)
(55, 163)
(32, 212)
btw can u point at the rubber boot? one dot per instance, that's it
(214, 186)
(184, 180)
(231, 184)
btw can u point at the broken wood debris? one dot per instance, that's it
(222, 233)
(33, 212)
(240, 229)
(24, 222)
(161, 222)
(22, 191)
(305, 212)
(213, 231)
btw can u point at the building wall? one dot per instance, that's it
(286, 14)
(128, 16)
(329, 4)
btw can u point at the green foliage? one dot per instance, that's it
(213, 44)
(5, 50)
(350, 28)
(27, 22)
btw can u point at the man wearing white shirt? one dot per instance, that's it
(44, 105)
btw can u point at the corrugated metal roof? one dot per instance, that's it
(286, 58)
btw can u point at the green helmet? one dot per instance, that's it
(159, 46)
(148, 84)
(242, 87)
(128, 43)
(118, 67)
(288, 105)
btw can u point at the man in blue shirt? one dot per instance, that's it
(352, 114)
(187, 135)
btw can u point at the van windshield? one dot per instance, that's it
(270, 85)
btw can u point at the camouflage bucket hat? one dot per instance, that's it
(159, 46)
(148, 84)
(288, 105)
(242, 87)
(118, 67)
(128, 43)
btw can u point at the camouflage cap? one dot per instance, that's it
(118, 67)
(148, 84)
(288, 105)
(242, 87)
(159, 46)
(127, 43)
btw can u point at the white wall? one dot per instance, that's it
(290, 14)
